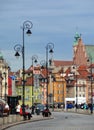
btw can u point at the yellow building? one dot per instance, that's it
(32, 95)
(28, 94)
(57, 89)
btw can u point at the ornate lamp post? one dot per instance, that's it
(91, 80)
(34, 60)
(76, 92)
(1, 78)
(53, 80)
(27, 25)
(63, 88)
(75, 78)
(43, 80)
(49, 47)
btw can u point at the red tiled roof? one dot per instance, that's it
(82, 71)
(28, 81)
(62, 63)
(91, 66)
(82, 67)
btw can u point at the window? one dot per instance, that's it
(36, 80)
(79, 82)
(27, 97)
(58, 98)
(80, 89)
(27, 90)
(59, 85)
(19, 90)
(92, 70)
(84, 89)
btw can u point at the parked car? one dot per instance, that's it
(70, 106)
(4, 108)
(40, 107)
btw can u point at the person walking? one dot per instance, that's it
(18, 108)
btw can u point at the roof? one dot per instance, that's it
(83, 73)
(27, 83)
(90, 52)
(62, 63)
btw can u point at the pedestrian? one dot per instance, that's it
(1, 109)
(7, 106)
(28, 112)
(18, 108)
(91, 107)
(33, 109)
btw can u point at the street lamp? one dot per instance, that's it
(91, 80)
(27, 25)
(76, 92)
(43, 79)
(1, 78)
(43, 64)
(34, 60)
(63, 99)
(5, 84)
(49, 47)
(75, 78)
(53, 80)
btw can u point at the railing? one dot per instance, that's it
(9, 120)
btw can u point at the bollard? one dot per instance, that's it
(18, 118)
(14, 118)
(5, 120)
(10, 119)
(1, 122)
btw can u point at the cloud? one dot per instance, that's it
(53, 21)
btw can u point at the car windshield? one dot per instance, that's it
(40, 106)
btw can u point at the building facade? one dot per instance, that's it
(78, 85)
(4, 69)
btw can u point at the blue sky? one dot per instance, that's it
(54, 21)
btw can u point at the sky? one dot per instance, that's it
(54, 21)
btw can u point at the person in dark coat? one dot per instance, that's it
(1, 109)
(33, 109)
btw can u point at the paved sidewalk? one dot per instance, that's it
(12, 120)
(79, 111)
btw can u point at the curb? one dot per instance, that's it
(27, 121)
